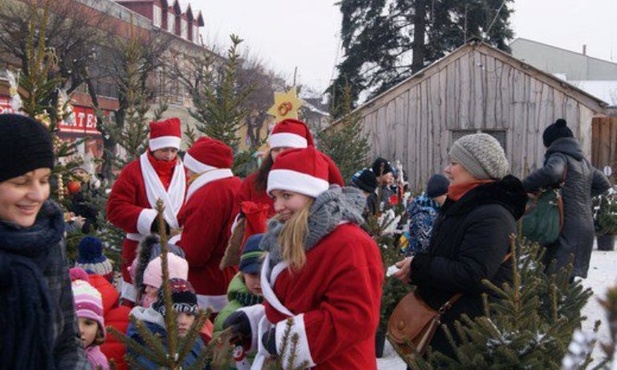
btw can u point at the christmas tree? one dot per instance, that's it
(529, 326)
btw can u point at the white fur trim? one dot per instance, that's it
(297, 182)
(144, 222)
(287, 140)
(255, 314)
(175, 239)
(196, 166)
(164, 142)
(135, 237)
(303, 352)
(216, 302)
(267, 282)
(207, 177)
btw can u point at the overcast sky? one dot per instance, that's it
(304, 34)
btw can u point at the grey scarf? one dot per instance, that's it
(329, 209)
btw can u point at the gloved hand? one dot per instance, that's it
(269, 341)
(239, 323)
(154, 228)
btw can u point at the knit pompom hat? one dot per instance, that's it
(25, 145)
(183, 298)
(177, 267)
(250, 261)
(88, 302)
(90, 257)
(555, 131)
(481, 155)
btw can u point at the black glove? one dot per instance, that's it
(269, 341)
(239, 323)
(155, 227)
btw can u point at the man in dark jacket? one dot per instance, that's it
(564, 160)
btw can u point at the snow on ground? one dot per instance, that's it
(602, 275)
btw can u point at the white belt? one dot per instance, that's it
(135, 237)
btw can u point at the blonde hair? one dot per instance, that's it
(291, 238)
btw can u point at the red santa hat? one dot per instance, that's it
(290, 133)
(303, 171)
(208, 154)
(165, 134)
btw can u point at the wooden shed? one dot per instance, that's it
(476, 88)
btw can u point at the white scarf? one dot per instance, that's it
(206, 177)
(173, 198)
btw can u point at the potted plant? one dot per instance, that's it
(605, 219)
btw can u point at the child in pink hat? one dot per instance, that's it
(89, 311)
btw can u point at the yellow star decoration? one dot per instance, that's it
(286, 105)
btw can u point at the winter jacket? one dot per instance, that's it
(116, 316)
(132, 205)
(582, 181)
(421, 212)
(155, 323)
(470, 239)
(207, 217)
(97, 358)
(239, 296)
(37, 314)
(334, 299)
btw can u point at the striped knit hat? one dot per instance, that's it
(88, 302)
(90, 257)
(250, 261)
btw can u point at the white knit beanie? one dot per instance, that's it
(481, 155)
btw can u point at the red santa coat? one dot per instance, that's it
(248, 192)
(207, 217)
(130, 208)
(335, 301)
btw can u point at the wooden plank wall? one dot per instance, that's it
(604, 147)
(475, 91)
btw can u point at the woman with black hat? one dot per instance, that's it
(37, 316)
(564, 160)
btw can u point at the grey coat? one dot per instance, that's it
(582, 181)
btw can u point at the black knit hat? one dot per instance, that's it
(183, 298)
(437, 185)
(555, 131)
(25, 145)
(381, 167)
(366, 181)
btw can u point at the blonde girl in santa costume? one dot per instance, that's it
(321, 270)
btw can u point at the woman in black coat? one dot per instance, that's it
(471, 236)
(564, 160)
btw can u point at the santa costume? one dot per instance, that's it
(207, 217)
(132, 202)
(334, 298)
(288, 133)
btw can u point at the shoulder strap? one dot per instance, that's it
(446, 306)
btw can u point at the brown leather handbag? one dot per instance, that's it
(413, 323)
